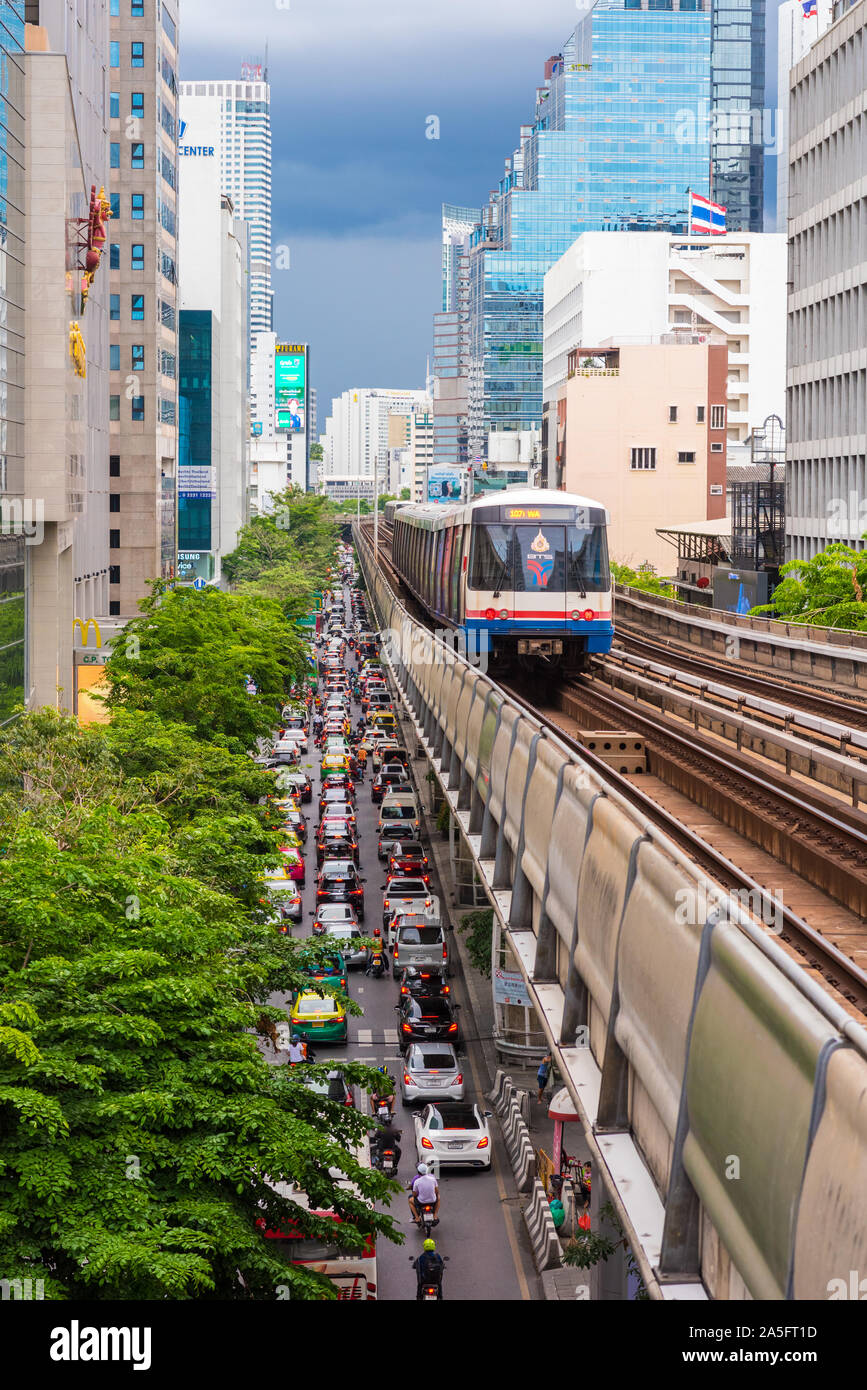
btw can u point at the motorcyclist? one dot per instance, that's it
(297, 1051)
(384, 1091)
(429, 1267)
(386, 1136)
(424, 1188)
(376, 952)
(318, 722)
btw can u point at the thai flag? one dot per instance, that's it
(809, 9)
(705, 216)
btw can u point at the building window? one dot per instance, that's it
(114, 8)
(114, 540)
(114, 256)
(114, 606)
(114, 574)
(137, 351)
(717, 417)
(138, 407)
(114, 306)
(114, 152)
(114, 407)
(136, 56)
(114, 55)
(114, 105)
(114, 201)
(716, 448)
(114, 465)
(114, 357)
(136, 103)
(137, 156)
(686, 457)
(699, 415)
(167, 363)
(167, 266)
(169, 26)
(643, 459)
(167, 412)
(672, 414)
(114, 501)
(137, 207)
(137, 256)
(136, 9)
(137, 306)
(167, 169)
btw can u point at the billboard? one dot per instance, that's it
(444, 484)
(290, 387)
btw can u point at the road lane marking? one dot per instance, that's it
(365, 1035)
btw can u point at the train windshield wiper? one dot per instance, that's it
(501, 577)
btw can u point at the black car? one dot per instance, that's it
(339, 883)
(423, 984)
(428, 1019)
(391, 777)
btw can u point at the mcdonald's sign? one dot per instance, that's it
(84, 629)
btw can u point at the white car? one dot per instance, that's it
(453, 1132)
(430, 1071)
(296, 736)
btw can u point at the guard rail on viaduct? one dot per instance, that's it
(722, 1092)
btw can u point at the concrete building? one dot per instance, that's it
(231, 122)
(795, 33)
(826, 449)
(642, 430)
(451, 350)
(65, 304)
(14, 627)
(144, 255)
(214, 436)
(356, 431)
(635, 285)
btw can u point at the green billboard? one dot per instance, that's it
(290, 386)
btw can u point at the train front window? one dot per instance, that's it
(491, 562)
(588, 559)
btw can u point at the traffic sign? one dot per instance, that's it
(199, 583)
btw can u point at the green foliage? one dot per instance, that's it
(479, 929)
(647, 583)
(285, 555)
(444, 819)
(315, 452)
(405, 494)
(587, 1248)
(139, 1120)
(827, 591)
(186, 658)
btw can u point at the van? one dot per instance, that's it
(421, 944)
(400, 806)
(430, 917)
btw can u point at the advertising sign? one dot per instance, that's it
(510, 988)
(444, 485)
(290, 386)
(256, 429)
(196, 480)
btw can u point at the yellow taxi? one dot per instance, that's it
(318, 1016)
(382, 719)
(335, 762)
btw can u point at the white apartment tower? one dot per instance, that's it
(356, 431)
(241, 139)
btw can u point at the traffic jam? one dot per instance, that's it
(357, 875)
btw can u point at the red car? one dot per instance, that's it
(408, 858)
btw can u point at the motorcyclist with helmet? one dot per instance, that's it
(376, 952)
(424, 1189)
(384, 1092)
(429, 1268)
(386, 1136)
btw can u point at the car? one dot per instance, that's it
(388, 834)
(417, 916)
(331, 968)
(383, 719)
(296, 822)
(283, 908)
(337, 847)
(404, 894)
(296, 783)
(339, 781)
(336, 796)
(408, 857)
(278, 884)
(434, 1019)
(293, 721)
(297, 736)
(430, 1072)
(424, 983)
(294, 862)
(318, 1016)
(334, 1088)
(335, 762)
(349, 940)
(423, 943)
(392, 777)
(400, 807)
(453, 1132)
(339, 883)
(285, 753)
(329, 915)
(289, 838)
(337, 811)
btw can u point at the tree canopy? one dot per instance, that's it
(830, 590)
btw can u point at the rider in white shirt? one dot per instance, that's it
(424, 1188)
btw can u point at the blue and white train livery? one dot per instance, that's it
(528, 567)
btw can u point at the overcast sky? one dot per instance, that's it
(357, 186)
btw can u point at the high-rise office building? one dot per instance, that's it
(738, 126)
(826, 445)
(233, 119)
(795, 34)
(143, 235)
(605, 152)
(458, 223)
(13, 495)
(356, 444)
(451, 340)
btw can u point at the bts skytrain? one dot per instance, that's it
(523, 574)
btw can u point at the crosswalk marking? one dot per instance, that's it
(365, 1035)
(390, 1035)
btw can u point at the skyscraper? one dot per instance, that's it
(451, 340)
(238, 128)
(610, 148)
(738, 102)
(143, 313)
(795, 34)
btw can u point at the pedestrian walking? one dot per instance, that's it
(542, 1075)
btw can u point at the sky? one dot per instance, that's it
(357, 185)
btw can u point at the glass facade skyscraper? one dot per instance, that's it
(737, 102)
(195, 388)
(603, 154)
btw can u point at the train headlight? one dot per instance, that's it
(588, 615)
(490, 614)
(504, 612)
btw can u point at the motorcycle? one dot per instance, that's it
(376, 969)
(426, 1219)
(383, 1109)
(384, 1158)
(430, 1290)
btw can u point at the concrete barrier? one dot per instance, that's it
(547, 1251)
